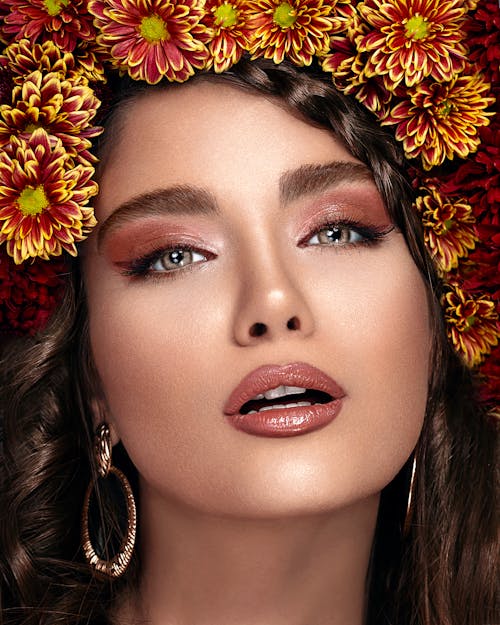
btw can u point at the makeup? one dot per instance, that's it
(280, 401)
(171, 347)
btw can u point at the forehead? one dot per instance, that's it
(209, 135)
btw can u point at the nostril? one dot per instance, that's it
(293, 323)
(258, 329)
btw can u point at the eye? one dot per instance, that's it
(173, 259)
(338, 234)
(166, 262)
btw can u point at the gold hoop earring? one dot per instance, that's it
(117, 565)
(411, 497)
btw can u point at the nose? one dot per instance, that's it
(271, 306)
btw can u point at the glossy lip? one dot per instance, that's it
(284, 421)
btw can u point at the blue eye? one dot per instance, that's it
(173, 259)
(336, 235)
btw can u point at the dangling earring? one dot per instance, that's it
(117, 565)
(411, 497)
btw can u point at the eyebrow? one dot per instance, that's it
(175, 200)
(192, 200)
(310, 179)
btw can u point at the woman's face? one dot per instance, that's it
(233, 236)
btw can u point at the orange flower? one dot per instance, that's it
(472, 325)
(298, 29)
(448, 228)
(228, 21)
(63, 108)
(152, 38)
(43, 199)
(442, 120)
(413, 39)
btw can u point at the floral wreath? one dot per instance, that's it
(429, 69)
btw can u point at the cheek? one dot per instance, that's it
(380, 340)
(157, 348)
(378, 313)
(149, 346)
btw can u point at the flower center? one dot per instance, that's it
(285, 15)
(153, 29)
(468, 315)
(30, 128)
(466, 323)
(470, 321)
(54, 7)
(446, 108)
(32, 200)
(416, 28)
(442, 227)
(226, 15)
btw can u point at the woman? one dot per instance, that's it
(256, 321)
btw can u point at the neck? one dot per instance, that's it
(201, 569)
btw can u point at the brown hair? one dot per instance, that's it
(441, 572)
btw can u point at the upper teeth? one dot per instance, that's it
(280, 391)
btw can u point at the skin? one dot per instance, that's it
(238, 528)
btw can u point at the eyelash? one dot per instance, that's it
(370, 233)
(142, 267)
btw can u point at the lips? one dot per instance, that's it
(251, 406)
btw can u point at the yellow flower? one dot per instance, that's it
(63, 108)
(152, 39)
(297, 29)
(22, 58)
(448, 228)
(65, 22)
(228, 23)
(43, 199)
(411, 40)
(472, 325)
(440, 121)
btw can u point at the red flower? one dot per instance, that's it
(489, 374)
(348, 66)
(63, 108)
(483, 39)
(65, 22)
(152, 38)
(479, 177)
(43, 198)
(448, 228)
(22, 58)
(472, 325)
(440, 121)
(228, 23)
(412, 40)
(298, 29)
(29, 293)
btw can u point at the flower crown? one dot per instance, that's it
(429, 69)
